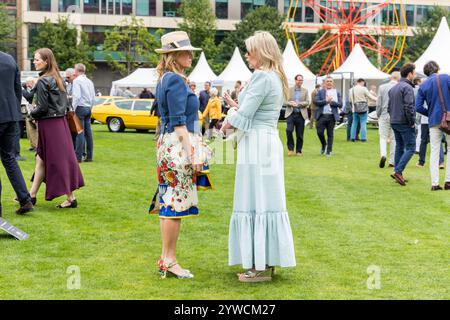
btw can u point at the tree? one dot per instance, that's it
(201, 29)
(68, 45)
(129, 45)
(7, 29)
(262, 18)
(424, 33)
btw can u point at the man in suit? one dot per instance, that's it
(296, 114)
(204, 98)
(328, 101)
(10, 115)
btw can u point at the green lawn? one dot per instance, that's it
(346, 215)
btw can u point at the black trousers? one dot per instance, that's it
(9, 133)
(295, 121)
(326, 122)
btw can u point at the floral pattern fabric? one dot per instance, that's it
(176, 177)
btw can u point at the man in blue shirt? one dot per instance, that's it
(434, 90)
(83, 98)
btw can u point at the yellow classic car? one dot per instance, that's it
(127, 113)
(106, 99)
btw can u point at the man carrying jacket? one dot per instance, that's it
(10, 115)
(402, 112)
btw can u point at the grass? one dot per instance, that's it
(346, 215)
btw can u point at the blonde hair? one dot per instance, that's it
(213, 92)
(168, 62)
(265, 49)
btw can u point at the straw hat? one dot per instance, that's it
(176, 41)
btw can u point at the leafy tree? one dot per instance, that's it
(262, 18)
(68, 46)
(7, 29)
(424, 33)
(129, 45)
(201, 29)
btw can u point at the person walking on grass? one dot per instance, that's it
(56, 163)
(402, 113)
(296, 115)
(260, 235)
(328, 101)
(213, 111)
(10, 115)
(435, 91)
(384, 121)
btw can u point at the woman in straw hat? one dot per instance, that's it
(177, 157)
(260, 233)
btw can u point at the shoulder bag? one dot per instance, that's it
(445, 122)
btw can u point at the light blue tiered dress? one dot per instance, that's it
(260, 231)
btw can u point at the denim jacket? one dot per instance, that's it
(177, 104)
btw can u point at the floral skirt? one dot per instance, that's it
(177, 188)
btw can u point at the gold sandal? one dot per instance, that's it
(257, 276)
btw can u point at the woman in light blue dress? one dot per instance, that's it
(260, 232)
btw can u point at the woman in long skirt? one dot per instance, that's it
(260, 235)
(56, 163)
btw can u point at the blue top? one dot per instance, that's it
(429, 93)
(259, 103)
(178, 105)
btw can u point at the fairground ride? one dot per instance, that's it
(378, 27)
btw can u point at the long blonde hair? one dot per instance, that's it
(265, 49)
(168, 62)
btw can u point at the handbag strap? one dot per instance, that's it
(441, 96)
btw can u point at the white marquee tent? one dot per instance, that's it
(361, 67)
(202, 71)
(140, 78)
(235, 70)
(438, 50)
(292, 66)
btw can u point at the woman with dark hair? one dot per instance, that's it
(56, 163)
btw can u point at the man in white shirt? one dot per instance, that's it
(83, 97)
(384, 121)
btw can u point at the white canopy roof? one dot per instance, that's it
(235, 70)
(140, 78)
(293, 65)
(358, 63)
(202, 71)
(438, 50)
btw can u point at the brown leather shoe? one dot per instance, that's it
(447, 185)
(290, 153)
(27, 207)
(399, 178)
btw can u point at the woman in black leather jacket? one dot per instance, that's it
(56, 163)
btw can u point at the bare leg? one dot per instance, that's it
(39, 174)
(170, 231)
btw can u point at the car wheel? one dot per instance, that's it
(115, 125)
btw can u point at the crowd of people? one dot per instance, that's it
(260, 235)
